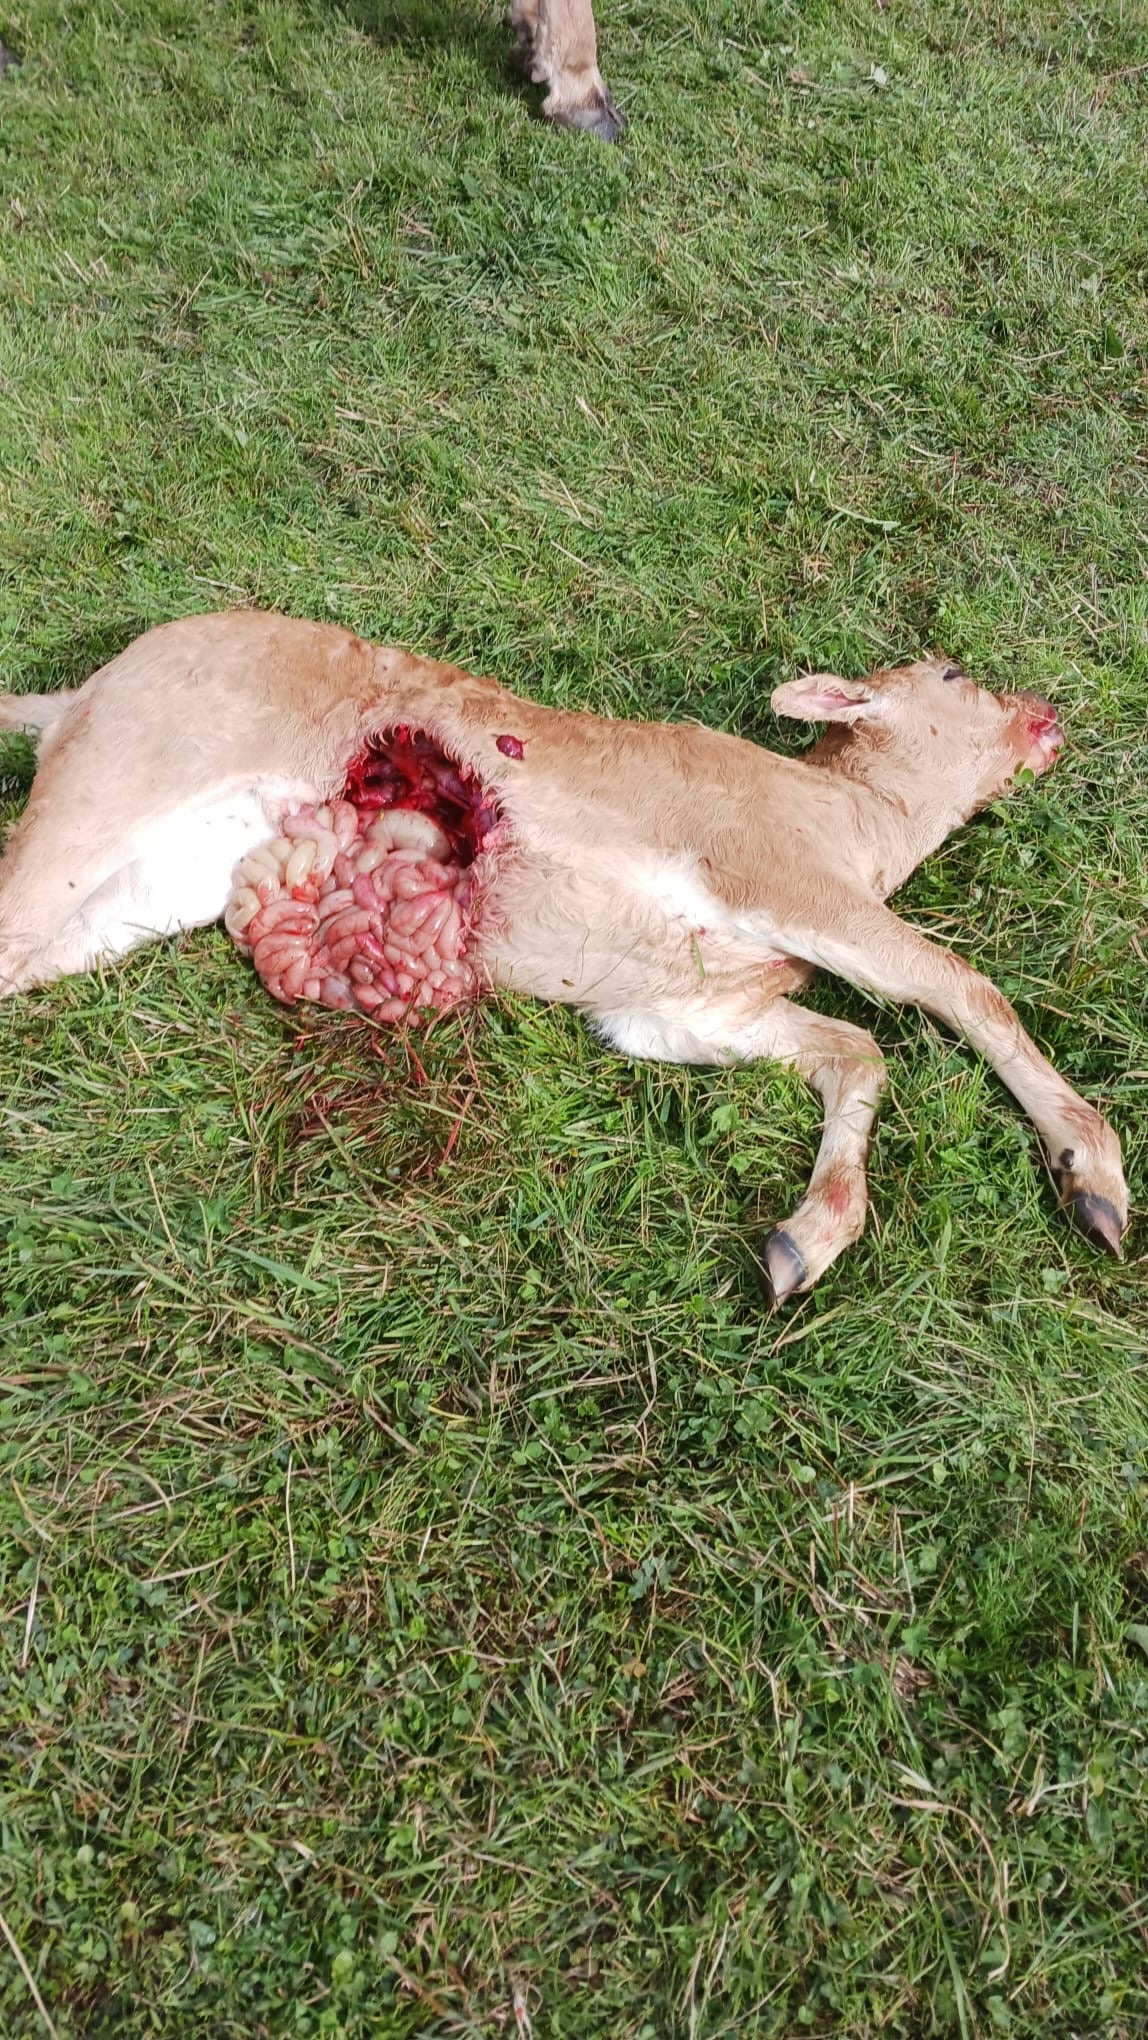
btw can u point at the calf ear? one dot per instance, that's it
(824, 697)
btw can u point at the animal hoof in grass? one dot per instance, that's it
(783, 1267)
(600, 118)
(1098, 1220)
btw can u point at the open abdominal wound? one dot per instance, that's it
(367, 904)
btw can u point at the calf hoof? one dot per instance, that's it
(1089, 1177)
(1099, 1221)
(782, 1269)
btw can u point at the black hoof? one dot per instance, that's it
(602, 119)
(1098, 1220)
(783, 1267)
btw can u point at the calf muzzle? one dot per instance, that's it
(1041, 728)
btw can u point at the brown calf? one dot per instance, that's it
(392, 835)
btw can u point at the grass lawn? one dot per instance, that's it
(436, 1600)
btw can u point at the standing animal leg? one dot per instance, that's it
(557, 46)
(841, 1062)
(522, 17)
(882, 954)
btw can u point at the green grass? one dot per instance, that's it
(430, 1585)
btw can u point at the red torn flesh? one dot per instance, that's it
(1042, 730)
(368, 903)
(1044, 727)
(511, 747)
(407, 769)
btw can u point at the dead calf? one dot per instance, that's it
(391, 835)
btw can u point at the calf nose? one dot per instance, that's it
(1041, 726)
(1042, 710)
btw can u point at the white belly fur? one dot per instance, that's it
(177, 872)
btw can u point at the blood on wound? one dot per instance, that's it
(365, 904)
(407, 769)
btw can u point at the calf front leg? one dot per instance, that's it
(881, 954)
(556, 45)
(841, 1062)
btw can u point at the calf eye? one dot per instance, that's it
(954, 673)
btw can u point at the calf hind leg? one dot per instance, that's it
(846, 1068)
(78, 888)
(37, 715)
(841, 1062)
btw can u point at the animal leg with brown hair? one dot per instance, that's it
(843, 1065)
(556, 45)
(846, 1068)
(880, 953)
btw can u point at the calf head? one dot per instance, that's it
(959, 745)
